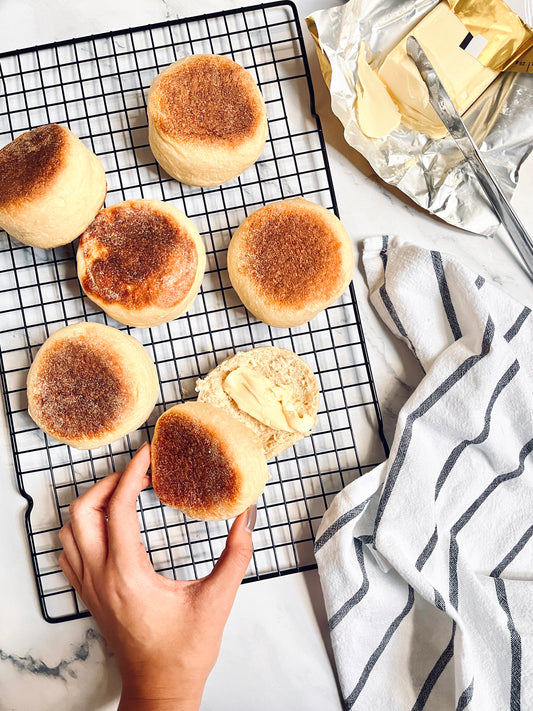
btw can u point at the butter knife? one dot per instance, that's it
(448, 114)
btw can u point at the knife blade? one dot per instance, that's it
(450, 117)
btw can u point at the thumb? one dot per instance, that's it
(123, 521)
(227, 575)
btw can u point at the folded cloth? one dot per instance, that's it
(426, 562)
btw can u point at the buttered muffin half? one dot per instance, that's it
(290, 260)
(142, 262)
(90, 385)
(271, 390)
(51, 187)
(207, 119)
(205, 463)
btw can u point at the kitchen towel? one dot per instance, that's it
(426, 562)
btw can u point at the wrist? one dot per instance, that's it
(149, 695)
(147, 702)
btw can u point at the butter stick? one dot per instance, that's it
(440, 34)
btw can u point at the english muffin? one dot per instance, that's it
(270, 390)
(290, 260)
(207, 119)
(90, 385)
(51, 187)
(142, 262)
(205, 463)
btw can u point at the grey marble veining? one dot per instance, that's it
(63, 670)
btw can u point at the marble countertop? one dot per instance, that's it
(281, 658)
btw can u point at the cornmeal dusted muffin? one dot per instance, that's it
(90, 385)
(142, 262)
(290, 260)
(207, 119)
(51, 187)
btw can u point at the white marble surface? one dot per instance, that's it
(276, 652)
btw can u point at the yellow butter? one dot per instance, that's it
(440, 33)
(377, 114)
(271, 404)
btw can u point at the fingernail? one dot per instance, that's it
(143, 445)
(252, 517)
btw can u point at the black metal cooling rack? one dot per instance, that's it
(97, 86)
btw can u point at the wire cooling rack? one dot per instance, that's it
(97, 86)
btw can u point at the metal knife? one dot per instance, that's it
(448, 114)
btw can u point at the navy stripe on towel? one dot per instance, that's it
(428, 550)
(516, 646)
(376, 654)
(482, 436)
(445, 295)
(511, 333)
(387, 300)
(458, 450)
(435, 674)
(466, 697)
(515, 550)
(359, 595)
(516, 641)
(339, 523)
(469, 513)
(426, 405)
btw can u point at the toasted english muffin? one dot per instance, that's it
(51, 187)
(207, 119)
(142, 262)
(205, 463)
(90, 385)
(290, 260)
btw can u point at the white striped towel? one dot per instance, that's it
(426, 563)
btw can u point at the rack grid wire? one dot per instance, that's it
(97, 86)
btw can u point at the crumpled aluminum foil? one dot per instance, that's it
(433, 173)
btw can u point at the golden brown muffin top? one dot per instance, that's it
(291, 255)
(208, 98)
(79, 389)
(30, 163)
(190, 468)
(137, 256)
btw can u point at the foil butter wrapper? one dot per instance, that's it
(433, 173)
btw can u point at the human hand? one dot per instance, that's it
(166, 634)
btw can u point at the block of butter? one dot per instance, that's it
(441, 34)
